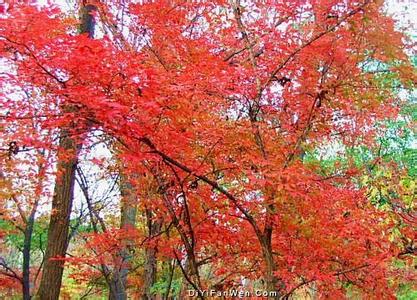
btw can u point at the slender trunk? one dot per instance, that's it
(191, 278)
(185, 285)
(59, 223)
(171, 276)
(273, 285)
(190, 271)
(270, 279)
(150, 269)
(26, 257)
(127, 222)
(149, 273)
(51, 280)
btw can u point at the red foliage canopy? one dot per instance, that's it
(217, 103)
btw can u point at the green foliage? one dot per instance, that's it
(15, 238)
(160, 287)
(406, 293)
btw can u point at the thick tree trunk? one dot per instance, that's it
(117, 288)
(60, 217)
(51, 280)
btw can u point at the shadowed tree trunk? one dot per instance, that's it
(272, 283)
(149, 273)
(26, 254)
(27, 245)
(171, 266)
(150, 268)
(88, 22)
(57, 244)
(128, 222)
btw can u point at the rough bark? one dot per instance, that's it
(58, 229)
(60, 217)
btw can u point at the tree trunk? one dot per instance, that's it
(170, 277)
(63, 196)
(272, 284)
(270, 279)
(88, 22)
(185, 285)
(150, 269)
(60, 217)
(127, 222)
(117, 288)
(149, 273)
(26, 256)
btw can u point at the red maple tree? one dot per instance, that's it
(213, 107)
